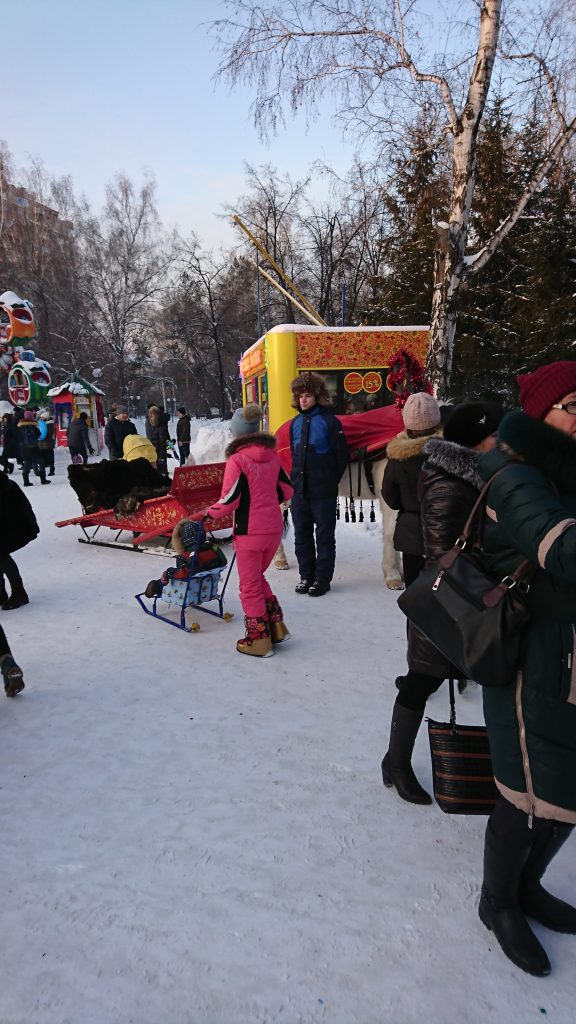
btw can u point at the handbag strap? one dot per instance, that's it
(523, 572)
(452, 705)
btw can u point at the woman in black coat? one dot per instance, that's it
(157, 433)
(10, 446)
(448, 486)
(18, 527)
(421, 416)
(78, 438)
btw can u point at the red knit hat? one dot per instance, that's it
(547, 385)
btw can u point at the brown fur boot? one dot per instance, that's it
(278, 629)
(257, 641)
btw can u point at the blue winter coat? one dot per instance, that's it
(319, 453)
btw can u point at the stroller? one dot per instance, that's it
(194, 582)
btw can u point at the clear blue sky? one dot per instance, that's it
(99, 86)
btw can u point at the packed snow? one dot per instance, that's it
(196, 837)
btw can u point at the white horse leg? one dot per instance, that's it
(391, 564)
(280, 561)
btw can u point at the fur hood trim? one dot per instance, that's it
(529, 440)
(403, 447)
(455, 460)
(246, 440)
(154, 415)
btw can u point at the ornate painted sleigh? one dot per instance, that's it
(193, 489)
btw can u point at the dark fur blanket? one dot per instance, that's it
(110, 484)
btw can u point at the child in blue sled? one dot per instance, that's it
(194, 554)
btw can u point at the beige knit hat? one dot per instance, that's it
(421, 412)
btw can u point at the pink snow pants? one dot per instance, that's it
(253, 556)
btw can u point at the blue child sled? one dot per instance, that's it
(193, 582)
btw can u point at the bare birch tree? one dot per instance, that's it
(377, 58)
(125, 260)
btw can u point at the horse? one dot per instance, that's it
(362, 481)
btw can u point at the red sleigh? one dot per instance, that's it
(193, 489)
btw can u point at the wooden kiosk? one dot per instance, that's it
(71, 398)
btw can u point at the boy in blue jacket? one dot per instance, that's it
(319, 458)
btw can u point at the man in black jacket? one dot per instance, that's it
(319, 458)
(183, 434)
(117, 428)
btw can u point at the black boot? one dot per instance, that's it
(303, 587)
(534, 900)
(500, 910)
(17, 598)
(319, 588)
(396, 767)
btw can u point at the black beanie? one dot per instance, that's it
(472, 422)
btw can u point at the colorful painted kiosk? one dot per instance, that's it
(355, 362)
(73, 397)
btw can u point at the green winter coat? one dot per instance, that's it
(532, 514)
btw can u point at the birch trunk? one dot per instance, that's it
(449, 264)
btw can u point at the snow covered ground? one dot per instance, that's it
(194, 837)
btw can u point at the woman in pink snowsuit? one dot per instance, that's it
(254, 485)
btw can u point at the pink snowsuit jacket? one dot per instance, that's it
(254, 485)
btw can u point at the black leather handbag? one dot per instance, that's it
(461, 765)
(476, 622)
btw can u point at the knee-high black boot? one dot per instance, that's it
(499, 907)
(534, 900)
(396, 767)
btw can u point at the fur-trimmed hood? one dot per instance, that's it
(455, 460)
(529, 440)
(154, 416)
(403, 447)
(260, 438)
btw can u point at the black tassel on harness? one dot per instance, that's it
(372, 513)
(352, 510)
(346, 514)
(337, 508)
(361, 516)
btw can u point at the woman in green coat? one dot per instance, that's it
(532, 723)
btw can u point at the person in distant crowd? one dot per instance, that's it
(12, 674)
(183, 434)
(448, 485)
(421, 417)
(532, 722)
(10, 445)
(157, 433)
(78, 438)
(29, 435)
(254, 485)
(18, 527)
(117, 428)
(47, 441)
(319, 458)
